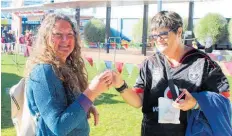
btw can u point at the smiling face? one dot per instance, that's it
(166, 28)
(166, 40)
(161, 38)
(62, 39)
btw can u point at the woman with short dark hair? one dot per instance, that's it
(174, 69)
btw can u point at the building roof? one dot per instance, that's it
(86, 4)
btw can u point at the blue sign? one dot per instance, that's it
(24, 19)
(31, 22)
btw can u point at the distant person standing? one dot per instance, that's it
(208, 44)
(11, 39)
(5, 34)
(22, 39)
(3, 42)
(28, 40)
(22, 43)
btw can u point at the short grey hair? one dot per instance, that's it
(166, 19)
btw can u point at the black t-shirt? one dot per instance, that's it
(196, 73)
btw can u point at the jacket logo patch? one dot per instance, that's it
(195, 71)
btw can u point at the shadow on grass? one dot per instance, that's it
(106, 99)
(8, 80)
(20, 64)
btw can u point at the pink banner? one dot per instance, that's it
(119, 66)
(212, 56)
(113, 44)
(228, 66)
(90, 60)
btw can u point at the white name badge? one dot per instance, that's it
(168, 113)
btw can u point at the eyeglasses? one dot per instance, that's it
(162, 35)
(61, 36)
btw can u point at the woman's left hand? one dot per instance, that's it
(188, 103)
(93, 110)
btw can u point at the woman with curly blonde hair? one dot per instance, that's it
(57, 83)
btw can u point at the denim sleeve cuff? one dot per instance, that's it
(85, 102)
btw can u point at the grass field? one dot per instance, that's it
(116, 117)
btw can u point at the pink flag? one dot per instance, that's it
(228, 66)
(212, 56)
(90, 60)
(113, 44)
(119, 66)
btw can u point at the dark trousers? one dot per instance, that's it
(151, 127)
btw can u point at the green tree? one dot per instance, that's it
(185, 24)
(212, 25)
(94, 31)
(230, 30)
(137, 31)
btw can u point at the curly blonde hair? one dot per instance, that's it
(73, 73)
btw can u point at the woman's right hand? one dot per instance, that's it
(117, 80)
(102, 82)
(99, 84)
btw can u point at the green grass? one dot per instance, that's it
(116, 117)
(10, 75)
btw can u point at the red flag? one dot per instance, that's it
(113, 44)
(119, 66)
(90, 60)
(125, 45)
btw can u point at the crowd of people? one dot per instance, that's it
(9, 40)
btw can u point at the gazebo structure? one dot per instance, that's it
(19, 9)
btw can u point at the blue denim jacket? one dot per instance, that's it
(46, 96)
(213, 119)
